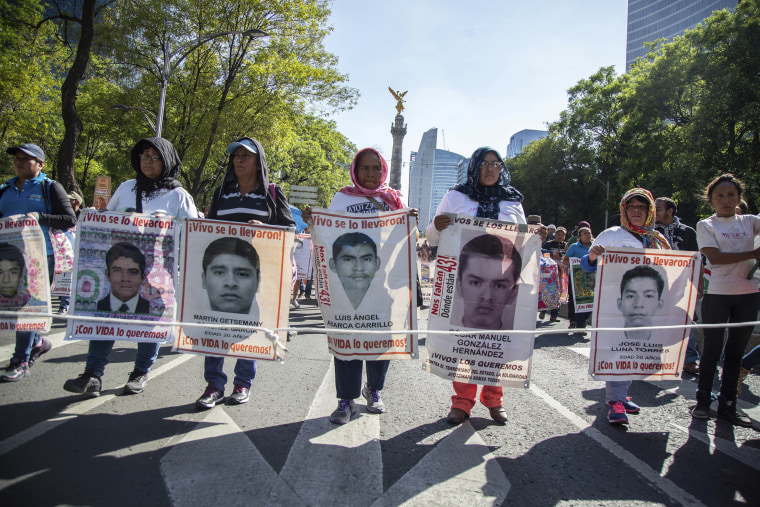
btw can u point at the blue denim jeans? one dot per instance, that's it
(97, 356)
(617, 390)
(348, 377)
(752, 358)
(25, 340)
(692, 356)
(245, 372)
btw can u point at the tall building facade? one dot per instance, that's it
(520, 140)
(649, 20)
(432, 173)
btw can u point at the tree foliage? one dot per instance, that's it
(686, 113)
(221, 85)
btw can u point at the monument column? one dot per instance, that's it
(398, 131)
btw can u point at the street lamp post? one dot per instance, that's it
(167, 68)
(607, 199)
(145, 112)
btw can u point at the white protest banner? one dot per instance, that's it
(583, 286)
(24, 283)
(425, 264)
(486, 277)
(367, 280)
(302, 255)
(640, 288)
(234, 274)
(124, 267)
(61, 284)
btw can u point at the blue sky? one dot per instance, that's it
(479, 70)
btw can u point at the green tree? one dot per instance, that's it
(232, 85)
(29, 100)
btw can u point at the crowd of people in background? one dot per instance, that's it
(726, 241)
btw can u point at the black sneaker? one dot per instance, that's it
(15, 370)
(136, 382)
(43, 348)
(729, 410)
(86, 383)
(210, 397)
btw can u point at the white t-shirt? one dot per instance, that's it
(175, 202)
(461, 204)
(355, 204)
(619, 237)
(730, 235)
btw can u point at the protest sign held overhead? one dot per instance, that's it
(486, 278)
(642, 288)
(583, 286)
(302, 255)
(24, 283)
(124, 268)
(234, 274)
(366, 281)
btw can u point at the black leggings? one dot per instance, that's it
(719, 308)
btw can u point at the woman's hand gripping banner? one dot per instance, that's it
(486, 278)
(366, 273)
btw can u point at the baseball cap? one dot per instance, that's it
(551, 226)
(245, 143)
(73, 196)
(560, 228)
(30, 149)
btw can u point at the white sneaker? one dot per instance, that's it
(295, 304)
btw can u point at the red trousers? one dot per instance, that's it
(490, 396)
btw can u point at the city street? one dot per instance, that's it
(156, 448)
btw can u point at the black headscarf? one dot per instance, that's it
(168, 178)
(488, 198)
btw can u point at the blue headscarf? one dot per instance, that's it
(488, 198)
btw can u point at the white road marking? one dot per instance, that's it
(217, 464)
(460, 467)
(331, 464)
(665, 485)
(76, 410)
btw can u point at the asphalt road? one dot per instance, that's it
(280, 449)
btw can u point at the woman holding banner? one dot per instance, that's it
(487, 194)
(154, 190)
(727, 240)
(577, 250)
(369, 193)
(246, 196)
(636, 231)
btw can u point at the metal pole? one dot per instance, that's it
(162, 99)
(606, 207)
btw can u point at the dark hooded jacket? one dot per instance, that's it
(168, 178)
(276, 202)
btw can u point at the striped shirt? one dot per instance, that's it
(234, 207)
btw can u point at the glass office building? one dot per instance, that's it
(520, 140)
(649, 20)
(432, 173)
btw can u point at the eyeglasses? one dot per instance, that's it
(495, 165)
(145, 156)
